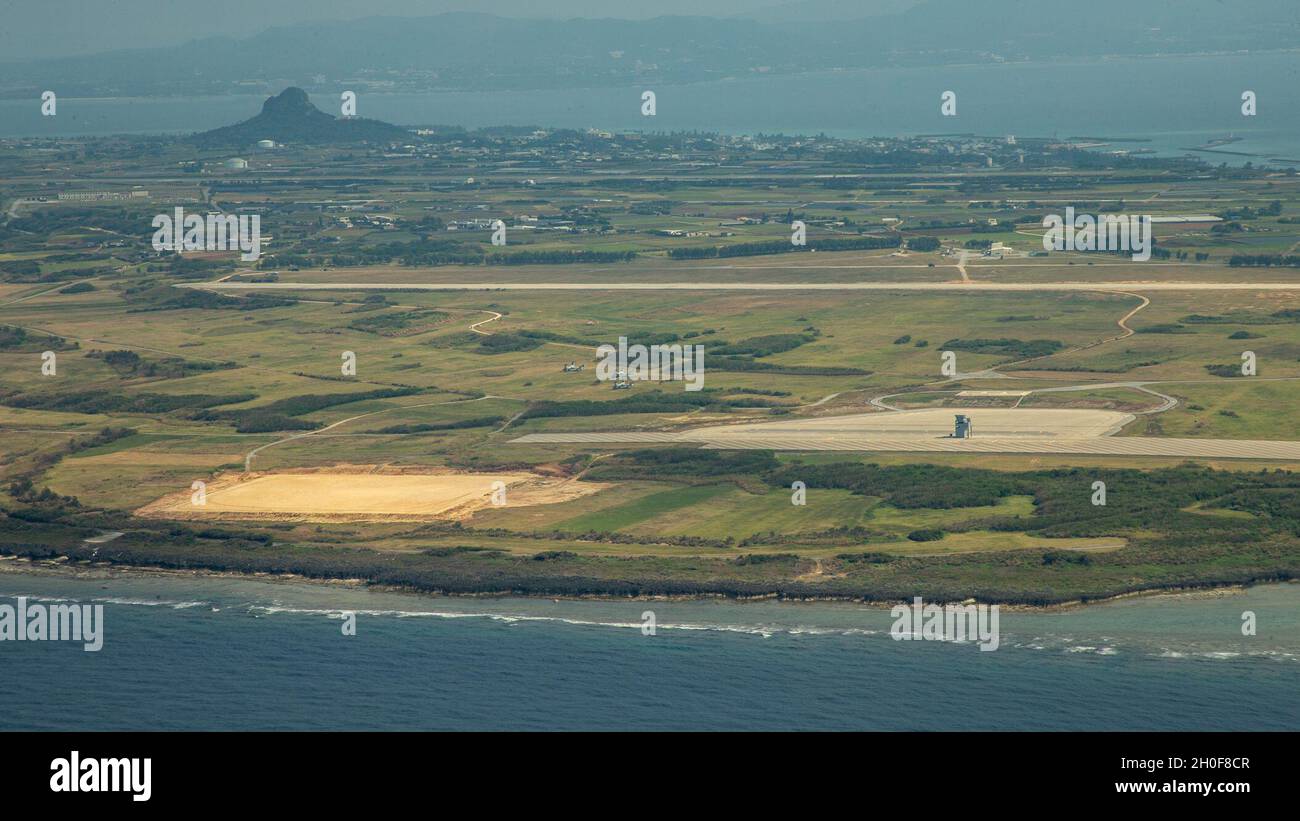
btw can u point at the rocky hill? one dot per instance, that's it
(290, 117)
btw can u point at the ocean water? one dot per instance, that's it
(1176, 102)
(204, 652)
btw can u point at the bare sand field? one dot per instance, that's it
(352, 493)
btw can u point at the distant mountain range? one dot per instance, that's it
(806, 10)
(469, 51)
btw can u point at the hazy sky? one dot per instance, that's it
(54, 28)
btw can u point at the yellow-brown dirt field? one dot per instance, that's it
(360, 493)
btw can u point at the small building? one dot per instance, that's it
(573, 367)
(963, 428)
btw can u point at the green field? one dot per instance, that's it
(160, 383)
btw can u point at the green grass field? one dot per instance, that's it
(463, 373)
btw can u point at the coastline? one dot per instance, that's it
(67, 567)
(200, 650)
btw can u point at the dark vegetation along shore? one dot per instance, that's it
(1186, 527)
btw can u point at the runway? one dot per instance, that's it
(745, 286)
(997, 430)
(1098, 446)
